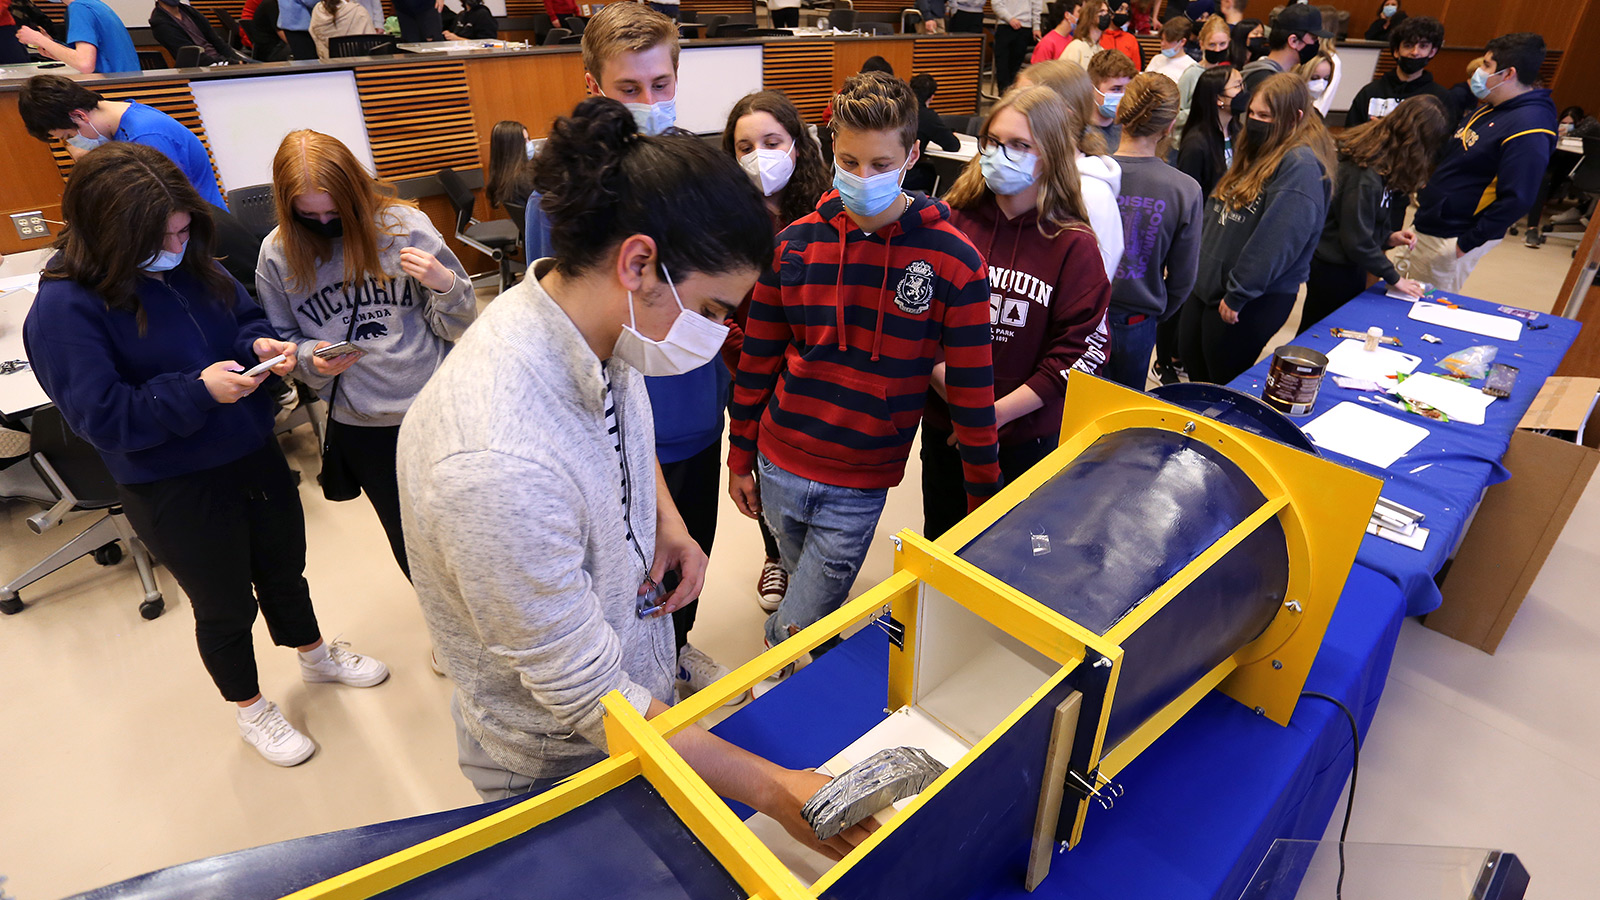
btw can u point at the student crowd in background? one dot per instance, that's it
(1115, 214)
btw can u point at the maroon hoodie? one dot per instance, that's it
(1047, 312)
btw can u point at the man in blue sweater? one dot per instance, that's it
(1490, 172)
(97, 41)
(630, 54)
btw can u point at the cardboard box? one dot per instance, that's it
(1562, 407)
(1511, 535)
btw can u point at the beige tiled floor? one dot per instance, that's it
(120, 758)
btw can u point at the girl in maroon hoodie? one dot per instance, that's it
(1020, 204)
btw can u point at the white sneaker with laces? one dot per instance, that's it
(344, 666)
(275, 739)
(696, 671)
(771, 586)
(782, 675)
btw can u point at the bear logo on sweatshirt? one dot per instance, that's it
(914, 293)
(368, 330)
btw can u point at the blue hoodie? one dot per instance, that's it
(687, 408)
(138, 397)
(1490, 171)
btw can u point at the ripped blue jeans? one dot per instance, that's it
(823, 533)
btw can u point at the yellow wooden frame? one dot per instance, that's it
(1322, 508)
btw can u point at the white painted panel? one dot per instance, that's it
(246, 119)
(711, 80)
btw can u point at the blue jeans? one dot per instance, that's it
(1131, 346)
(823, 532)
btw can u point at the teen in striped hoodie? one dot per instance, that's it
(831, 434)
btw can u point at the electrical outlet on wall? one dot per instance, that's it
(30, 225)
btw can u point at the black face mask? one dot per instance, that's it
(1410, 65)
(1121, 20)
(329, 230)
(1309, 52)
(1258, 131)
(1105, 21)
(1216, 57)
(1240, 104)
(1258, 47)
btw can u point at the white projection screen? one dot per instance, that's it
(246, 118)
(711, 80)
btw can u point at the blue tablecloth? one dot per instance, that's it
(1465, 458)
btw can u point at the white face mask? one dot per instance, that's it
(693, 341)
(769, 169)
(1318, 87)
(530, 148)
(83, 143)
(653, 118)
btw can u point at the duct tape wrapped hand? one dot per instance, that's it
(879, 780)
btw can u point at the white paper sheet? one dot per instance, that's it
(1352, 360)
(18, 282)
(1456, 400)
(1503, 327)
(1360, 433)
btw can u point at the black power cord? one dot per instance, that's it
(1355, 770)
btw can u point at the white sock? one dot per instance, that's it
(247, 713)
(317, 655)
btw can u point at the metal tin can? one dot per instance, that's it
(1294, 379)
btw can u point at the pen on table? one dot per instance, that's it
(1420, 468)
(1379, 401)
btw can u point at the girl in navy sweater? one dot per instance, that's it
(141, 339)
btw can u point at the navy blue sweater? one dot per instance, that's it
(1489, 174)
(138, 398)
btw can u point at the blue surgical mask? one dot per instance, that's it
(530, 147)
(165, 260)
(1479, 83)
(654, 118)
(1170, 52)
(1389, 10)
(1004, 175)
(869, 196)
(87, 144)
(1108, 106)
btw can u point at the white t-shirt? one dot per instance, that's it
(1172, 68)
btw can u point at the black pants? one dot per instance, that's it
(968, 22)
(11, 49)
(301, 46)
(785, 18)
(235, 538)
(1010, 52)
(1329, 287)
(1216, 352)
(369, 453)
(1167, 343)
(423, 25)
(696, 487)
(944, 497)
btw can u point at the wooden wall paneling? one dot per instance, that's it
(419, 117)
(719, 7)
(953, 61)
(1578, 80)
(524, 7)
(795, 69)
(533, 90)
(30, 181)
(850, 53)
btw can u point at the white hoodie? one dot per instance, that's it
(1100, 179)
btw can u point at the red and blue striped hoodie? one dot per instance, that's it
(855, 323)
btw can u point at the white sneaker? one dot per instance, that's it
(771, 586)
(275, 739)
(782, 675)
(696, 672)
(346, 667)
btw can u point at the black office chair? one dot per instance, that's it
(575, 24)
(729, 29)
(494, 239)
(230, 27)
(742, 19)
(689, 17)
(188, 56)
(712, 23)
(347, 45)
(555, 36)
(78, 481)
(842, 19)
(910, 21)
(572, 39)
(254, 207)
(962, 124)
(150, 60)
(760, 32)
(541, 26)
